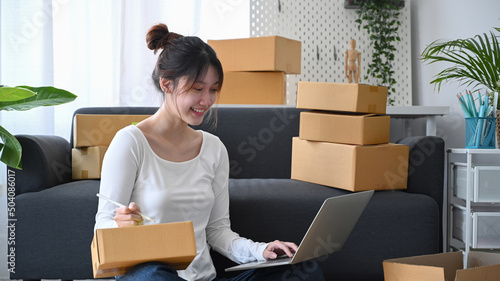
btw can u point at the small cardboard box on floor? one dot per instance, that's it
(99, 129)
(481, 266)
(346, 128)
(268, 53)
(253, 88)
(359, 98)
(350, 167)
(116, 250)
(87, 162)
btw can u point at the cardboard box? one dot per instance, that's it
(87, 162)
(345, 128)
(342, 97)
(116, 250)
(269, 53)
(253, 88)
(99, 130)
(350, 167)
(444, 267)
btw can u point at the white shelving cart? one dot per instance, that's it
(473, 194)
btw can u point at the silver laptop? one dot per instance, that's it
(327, 233)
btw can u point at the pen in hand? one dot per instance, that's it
(121, 205)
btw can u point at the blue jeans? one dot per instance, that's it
(157, 271)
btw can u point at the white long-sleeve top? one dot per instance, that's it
(195, 190)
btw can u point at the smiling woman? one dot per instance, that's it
(177, 173)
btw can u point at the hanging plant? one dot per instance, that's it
(380, 19)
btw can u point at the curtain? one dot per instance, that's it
(97, 50)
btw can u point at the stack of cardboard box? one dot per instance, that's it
(344, 141)
(92, 135)
(255, 68)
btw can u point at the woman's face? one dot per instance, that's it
(193, 103)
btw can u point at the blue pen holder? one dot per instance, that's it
(480, 132)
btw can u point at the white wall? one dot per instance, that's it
(446, 19)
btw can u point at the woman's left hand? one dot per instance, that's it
(278, 248)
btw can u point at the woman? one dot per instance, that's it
(175, 173)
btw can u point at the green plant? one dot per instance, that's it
(24, 98)
(380, 19)
(475, 61)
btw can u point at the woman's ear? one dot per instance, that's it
(165, 85)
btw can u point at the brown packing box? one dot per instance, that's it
(253, 88)
(345, 128)
(87, 162)
(99, 130)
(350, 167)
(342, 97)
(444, 267)
(115, 250)
(269, 53)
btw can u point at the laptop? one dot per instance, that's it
(327, 233)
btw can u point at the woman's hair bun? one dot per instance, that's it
(158, 37)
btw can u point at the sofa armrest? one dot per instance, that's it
(426, 168)
(46, 162)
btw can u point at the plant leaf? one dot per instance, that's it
(476, 61)
(45, 96)
(11, 150)
(14, 93)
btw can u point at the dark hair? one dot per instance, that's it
(181, 56)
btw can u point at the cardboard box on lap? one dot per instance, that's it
(87, 162)
(253, 88)
(344, 128)
(481, 266)
(99, 130)
(359, 98)
(269, 53)
(350, 167)
(116, 250)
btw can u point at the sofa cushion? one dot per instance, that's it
(58, 225)
(258, 140)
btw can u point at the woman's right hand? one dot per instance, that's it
(128, 216)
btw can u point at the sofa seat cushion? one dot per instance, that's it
(57, 223)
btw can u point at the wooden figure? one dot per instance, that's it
(352, 63)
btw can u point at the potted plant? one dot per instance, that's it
(24, 98)
(475, 62)
(380, 19)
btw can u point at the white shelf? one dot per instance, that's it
(417, 111)
(473, 151)
(471, 209)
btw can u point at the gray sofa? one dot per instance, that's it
(55, 215)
